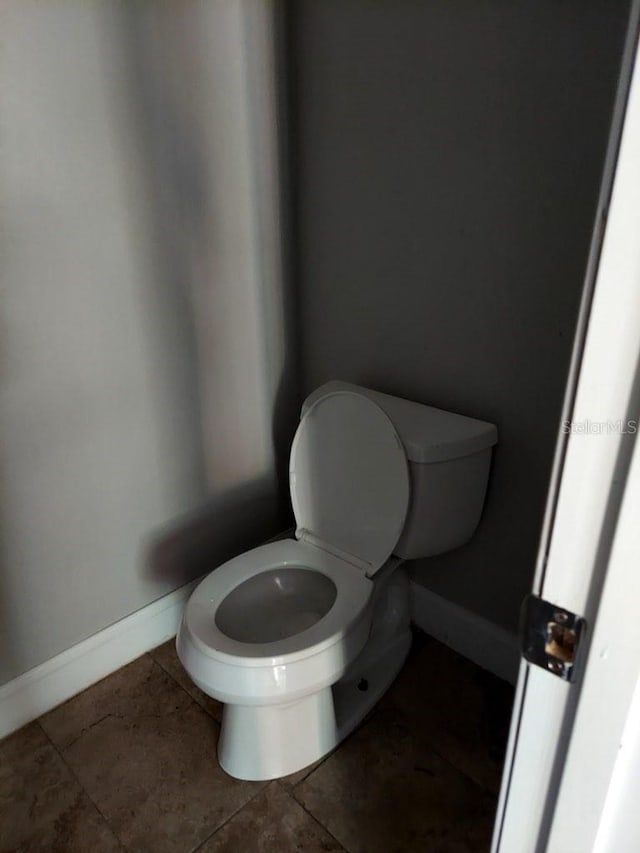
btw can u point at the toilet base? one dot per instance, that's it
(356, 695)
(260, 742)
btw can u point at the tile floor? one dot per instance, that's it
(130, 765)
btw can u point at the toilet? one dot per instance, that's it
(299, 638)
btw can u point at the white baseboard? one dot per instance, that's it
(490, 646)
(58, 679)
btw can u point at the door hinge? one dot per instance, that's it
(551, 636)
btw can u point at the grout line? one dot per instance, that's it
(483, 787)
(289, 787)
(361, 725)
(183, 688)
(82, 787)
(316, 820)
(431, 745)
(230, 817)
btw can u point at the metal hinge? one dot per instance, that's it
(551, 636)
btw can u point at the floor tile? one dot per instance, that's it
(294, 779)
(42, 806)
(139, 690)
(382, 792)
(461, 710)
(146, 754)
(168, 659)
(273, 822)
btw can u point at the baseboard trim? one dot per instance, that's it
(45, 686)
(490, 646)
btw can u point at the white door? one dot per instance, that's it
(570, 761)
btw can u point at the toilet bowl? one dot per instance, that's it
(299, 638)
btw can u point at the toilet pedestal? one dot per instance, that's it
(259, 742)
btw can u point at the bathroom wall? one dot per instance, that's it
(448, 157)
(145, 327)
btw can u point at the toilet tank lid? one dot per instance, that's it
(427, 434)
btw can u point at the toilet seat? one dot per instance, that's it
(349, 480)
(353, 594)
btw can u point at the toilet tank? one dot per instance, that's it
(449, 456)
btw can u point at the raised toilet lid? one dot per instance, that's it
(349, 480)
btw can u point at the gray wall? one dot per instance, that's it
(144, 326)
(448, 165)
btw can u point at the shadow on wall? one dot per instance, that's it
(226, 525)
(235, 318)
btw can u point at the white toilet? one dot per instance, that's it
(301, 637)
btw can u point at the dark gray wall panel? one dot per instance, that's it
(448, 158)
